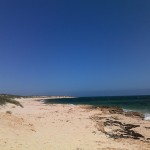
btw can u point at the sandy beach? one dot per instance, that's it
(38, 126)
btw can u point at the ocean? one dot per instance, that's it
(128, 103)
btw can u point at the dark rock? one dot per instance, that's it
(134, 114)
(112, 109)
(124, 131)
(134, 134)
(112, 122)
(130, 126)
(96, 118)
(126, 134)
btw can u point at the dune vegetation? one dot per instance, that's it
(5, 98)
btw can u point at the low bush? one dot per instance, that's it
(6, 99)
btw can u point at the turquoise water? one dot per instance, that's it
(134, 103)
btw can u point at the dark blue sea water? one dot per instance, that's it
(133, 103)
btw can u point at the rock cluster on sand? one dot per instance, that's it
(118, 129)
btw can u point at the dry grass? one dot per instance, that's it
(4, 99)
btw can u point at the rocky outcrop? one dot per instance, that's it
(116, 110)
(110, 109)
(123, 131)
(111, 122)
(134, 114)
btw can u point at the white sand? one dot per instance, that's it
(58, 127)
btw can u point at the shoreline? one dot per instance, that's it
(146, 114)
(70, 127)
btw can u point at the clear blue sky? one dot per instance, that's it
(81, 48)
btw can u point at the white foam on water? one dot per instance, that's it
(147, 116)
(43, 101)
(127, 110)
(71, 104)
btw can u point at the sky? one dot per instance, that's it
(78, 48)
